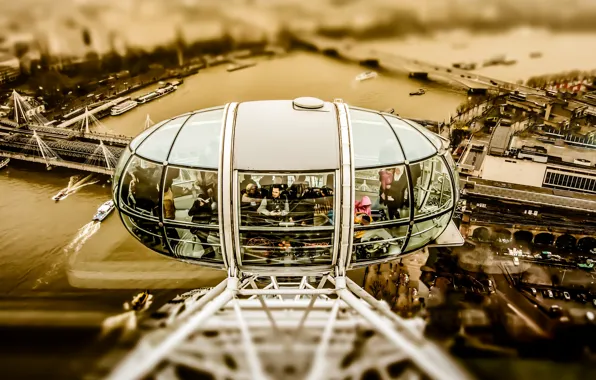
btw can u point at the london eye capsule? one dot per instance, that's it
(278, 185)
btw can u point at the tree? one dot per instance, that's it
(376, 288)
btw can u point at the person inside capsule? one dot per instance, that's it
(275, 206)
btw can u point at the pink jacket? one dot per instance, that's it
(363, 206)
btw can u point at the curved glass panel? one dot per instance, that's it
(278, 248)
(381, 195)
(195, 244)
(157, 146)
(126, 153)
(374, 142)
(139, 190)
(286, 219)
(425, 232)
(455, 174)
(414, 144)
(298, 200)
(432, 186)
(378, 243)
(197, 143)
(146, 231)
(140, 138)
(421, 176)
(190, 196)
(434, 139)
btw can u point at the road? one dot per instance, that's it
(538, 322)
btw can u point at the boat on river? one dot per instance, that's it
(103, 211)
(366, 75)
(162, 91)
(123, 107)
(62, 194)
(419, 92)
(4, 162)
(240, 66)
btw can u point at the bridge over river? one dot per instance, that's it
(415, 68)
(72, 154)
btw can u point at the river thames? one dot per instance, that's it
(51, 248)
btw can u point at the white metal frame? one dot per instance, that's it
(328, 310)
(311, 323)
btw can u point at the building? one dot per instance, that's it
(500, 139)
(274, 191)
(9, 68)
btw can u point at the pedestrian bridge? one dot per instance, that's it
(58, 162)
(94, 158)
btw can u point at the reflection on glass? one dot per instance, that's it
(190, 196)
(378, 243)
(432, 186)
(139, 191)
(140, 138)
(197, 143)
(414, 144)
(147, 231)
(157, 146)
(286, 248)
(381, 195)
(286, 200)
(198, 244)
(374, 142)
(126, 153)
(425, 232)
(434, 138)
(451, 164)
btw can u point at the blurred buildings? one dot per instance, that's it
(9, 68)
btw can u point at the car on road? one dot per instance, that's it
(567, 296)
(594, 302)
(555, 311)
(533, 290)
(549, 294)
(516, 261)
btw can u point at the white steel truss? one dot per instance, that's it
(284, 328)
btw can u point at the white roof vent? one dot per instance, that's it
(309, 103)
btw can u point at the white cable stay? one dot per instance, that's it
(102, 156)
(25, 113)
(148, 122)
(90, 124)
(37, 147)
(328, 329)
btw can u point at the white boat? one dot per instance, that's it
(103, 211)
(62, 194)
(156, 94)
(4, 162)
(240, 66)
(366, 75)
(123, 107)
